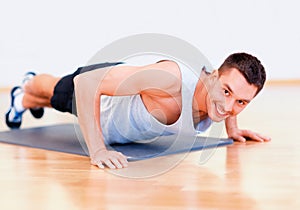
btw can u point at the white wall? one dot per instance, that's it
(57, 36)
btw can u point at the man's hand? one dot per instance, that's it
(242, 135)
(112, 159)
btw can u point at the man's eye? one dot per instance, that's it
(226, 92)
(241, 102)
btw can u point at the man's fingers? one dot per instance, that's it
(111, 159)
(240, 139)
(117, 163)
(97, 163)
(109, 164)
(253, 136)
(124, 162)
(241, 136)
(112, 163)
(122, 159)
(237, 137)
(100, 165)
(265, 138)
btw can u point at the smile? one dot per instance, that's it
(220, 111)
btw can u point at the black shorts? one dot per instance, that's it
(63, 95)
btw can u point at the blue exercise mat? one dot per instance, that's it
(64, 138)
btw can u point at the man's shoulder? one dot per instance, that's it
(169, 66)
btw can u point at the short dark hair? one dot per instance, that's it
(250, 67)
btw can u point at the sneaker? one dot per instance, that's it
(28, 76)
(13, 118)
(36, 112)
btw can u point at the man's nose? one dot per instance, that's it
(229, 103)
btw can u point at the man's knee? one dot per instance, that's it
(41, 85)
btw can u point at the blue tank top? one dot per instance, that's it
(125, 119)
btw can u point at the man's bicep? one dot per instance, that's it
(131, 80)
(121, 81)
(106, 81)
(153, 78)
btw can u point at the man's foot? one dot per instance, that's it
(36, 112)
(13, 118)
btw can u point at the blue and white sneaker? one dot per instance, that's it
(13, 118)
(28, 76)
(36, 112)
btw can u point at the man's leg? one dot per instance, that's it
(45, 90)
(39, 90)
(35, 94)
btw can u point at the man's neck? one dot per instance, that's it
(200, 95)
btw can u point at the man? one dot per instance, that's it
(120, 103)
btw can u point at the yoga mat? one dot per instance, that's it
(63, 138)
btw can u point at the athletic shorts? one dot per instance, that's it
(63, 95)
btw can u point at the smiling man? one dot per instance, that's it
(117, 103)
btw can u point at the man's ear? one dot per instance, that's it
(211, 79)
(214, 76)
(215, 73)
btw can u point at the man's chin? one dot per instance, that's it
(216, 118)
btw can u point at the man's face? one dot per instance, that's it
(228, 95)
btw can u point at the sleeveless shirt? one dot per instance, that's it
(125, 119)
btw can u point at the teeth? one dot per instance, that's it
(220, 111)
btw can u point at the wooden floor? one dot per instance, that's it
(241, 176)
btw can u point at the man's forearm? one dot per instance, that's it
(231, 123)
(85, 102)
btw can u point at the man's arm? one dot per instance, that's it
(115, 81)
(86, 86)
(240, 135)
